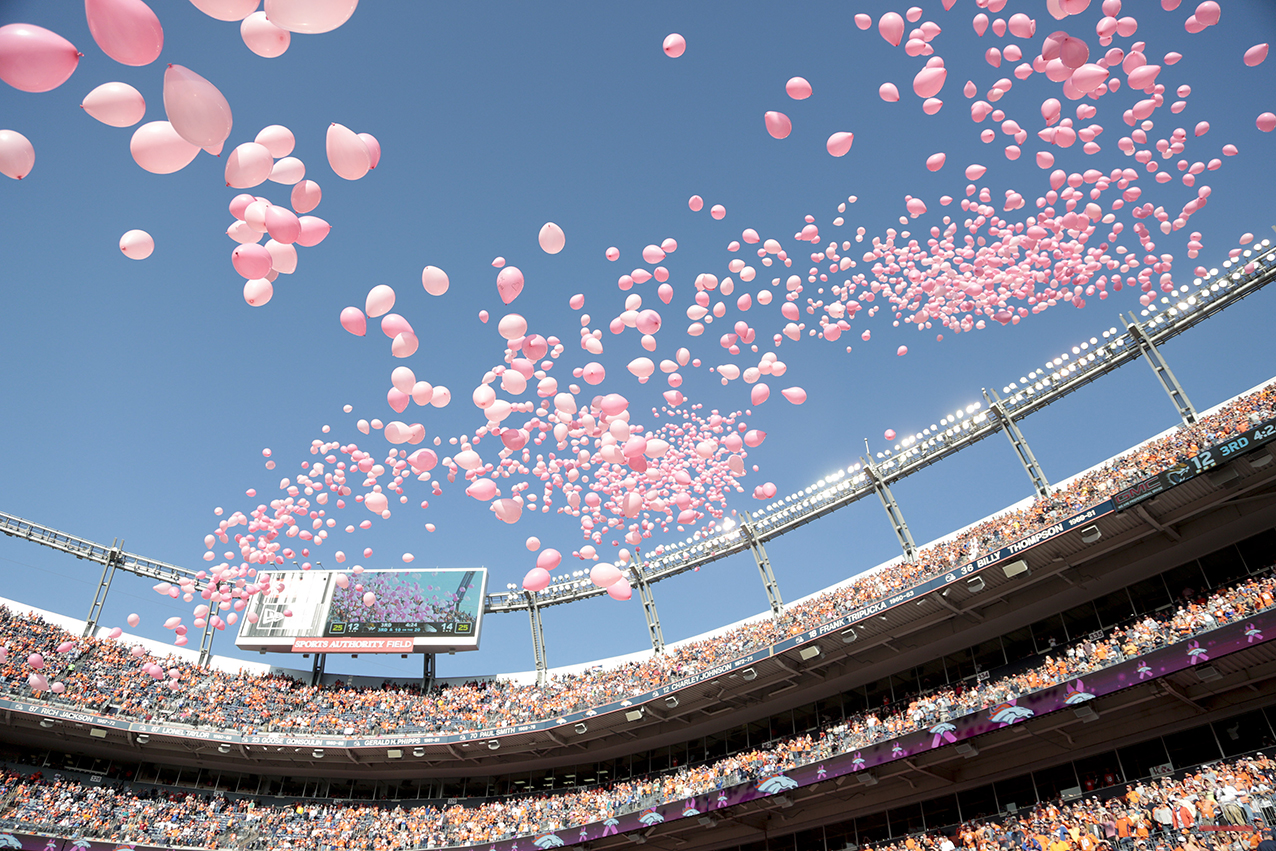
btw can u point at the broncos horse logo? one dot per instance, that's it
(1009, 712)
(548, 840)
(942, 732)
(689, 809)
(1197, 653)
(777, 783)
(650, 817)
(610, 827)
(1077, 693)
(1252, 634)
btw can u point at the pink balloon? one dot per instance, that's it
(509, 283)
(604, 575)
(126, 30)
(392, 325)
(282, 225)
(369, 599)
(226, 10)
(935, 161)
(251, 261)
(134, 620)
(1266, 122)
(283, 257)
(798, 88)
(248, 165)
(288, 171)
(379, 301)
(665, 292)
(404, 346)
(35, 660)
(197, 110)
(158, 148)
(1208, 13)
(137, 244)
(718, 211)
(482, 490)
(621, 590)
(537, 579)
(313, 231)
(347, 153)
(263, 37)
(795, 395)
(901, 351)
(310, 16)
(115, 104)
(891, 27)
(778, 125)
(695, 203)
(33, 59)
(674, 45)
(839, 144)
(888, 92)
(306, 195)
(890, 434)
(434, 280)
(549, 559)
(759, 394)
(17, 156)
(551, 238)
(374, 149)
(1256, 54)
(929, 81)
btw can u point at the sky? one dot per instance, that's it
(140, 395)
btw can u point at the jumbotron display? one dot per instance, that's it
(372, 611)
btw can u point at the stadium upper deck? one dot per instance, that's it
(763, 659)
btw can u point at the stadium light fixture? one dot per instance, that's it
(47, 723)
(223, 748)
(1090, 534)
(142, 738)
(866, 778)
(394, 753)
(849, 635)
(633, 715)
(317, 753)
(1086, 714)
(749, 675)
(493, 745)
(98, 732)
(967, 750)
(418, 752)
(582, 728)
(975, 584)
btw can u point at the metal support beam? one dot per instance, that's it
(1161, 369)
(1017, 442)
(428, 672)
(764, 563)
(538, 637)
(906, 542)
(649, 609)
(316, 668)
(206, 642)
(109, 564)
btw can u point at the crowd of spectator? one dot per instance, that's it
(98, 673)
(1170, 814)
(129, 814)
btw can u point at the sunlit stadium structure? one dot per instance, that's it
(717, 756)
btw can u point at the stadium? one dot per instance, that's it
(852, 663)
(1113, 632)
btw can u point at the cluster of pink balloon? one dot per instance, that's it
(999, 260)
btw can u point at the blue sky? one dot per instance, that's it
(139, 395)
